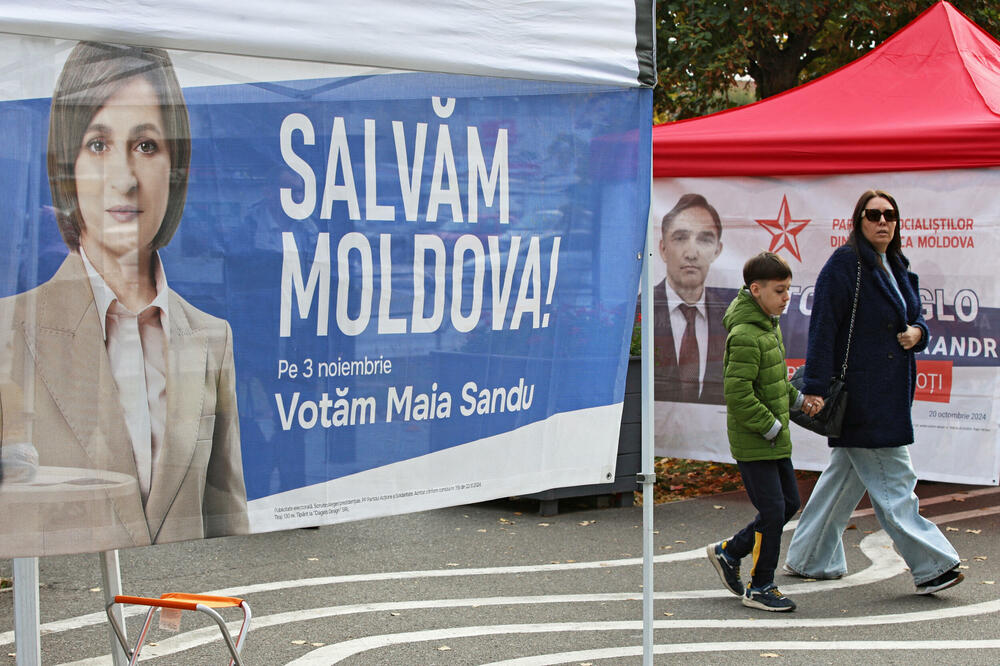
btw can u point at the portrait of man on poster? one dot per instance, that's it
(689, 336)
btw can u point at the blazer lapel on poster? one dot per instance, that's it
(187, 357)
(712, 385)
(665, 359)
(72, 361)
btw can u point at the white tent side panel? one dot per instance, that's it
(585, 41)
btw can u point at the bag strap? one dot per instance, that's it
(850, 331)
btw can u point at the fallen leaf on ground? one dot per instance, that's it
(718, 506)
(973, 531)
(769, 655)
(665, 547)
(313, 559)
(298, 642)
(451, 564)
(95, 589)
(951, 529)
(394, 614)
(480, 530)
(544, 524)
(963, 566)
(680, 541)
(584, 523)
(669, 614)
(443, 648)
(989, 582)
(981, 558)
(317, 644)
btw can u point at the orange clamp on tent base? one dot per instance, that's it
(180, 601)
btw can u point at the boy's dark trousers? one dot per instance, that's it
(774, 492)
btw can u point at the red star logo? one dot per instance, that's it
(784, 230)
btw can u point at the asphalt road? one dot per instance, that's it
(495, 583)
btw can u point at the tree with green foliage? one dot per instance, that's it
(714, 55)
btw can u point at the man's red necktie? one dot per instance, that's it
(687, 361)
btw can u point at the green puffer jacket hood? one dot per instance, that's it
(756, 382)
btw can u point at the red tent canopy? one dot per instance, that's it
(927, 98)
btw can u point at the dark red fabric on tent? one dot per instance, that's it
(927, 98)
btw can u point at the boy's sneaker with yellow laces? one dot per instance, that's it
(727, 568)
(767, 598)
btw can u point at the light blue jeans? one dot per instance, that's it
(817, 547)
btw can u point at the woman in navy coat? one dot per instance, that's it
(871, 452)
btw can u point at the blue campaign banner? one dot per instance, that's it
(504, 294)
(410, 266)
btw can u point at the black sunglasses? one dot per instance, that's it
(874, 214)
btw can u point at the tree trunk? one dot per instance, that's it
(777, 77)
(776, 68)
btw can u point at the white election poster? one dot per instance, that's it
(949, 231)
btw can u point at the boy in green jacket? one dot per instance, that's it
(758, 399)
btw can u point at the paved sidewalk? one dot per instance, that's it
(496, 583)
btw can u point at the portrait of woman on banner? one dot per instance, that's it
(117, 396)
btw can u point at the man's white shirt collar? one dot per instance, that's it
(674, 301)
(104, 297)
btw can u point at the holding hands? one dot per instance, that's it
(812, 405)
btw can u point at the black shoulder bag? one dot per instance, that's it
(829, 419)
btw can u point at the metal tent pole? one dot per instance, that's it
(648, 477)
(111, 578)
(27, 634)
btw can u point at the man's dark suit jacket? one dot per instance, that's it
(667, 385)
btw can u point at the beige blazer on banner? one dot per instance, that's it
(57, 393)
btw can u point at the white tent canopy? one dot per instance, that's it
(583, 41)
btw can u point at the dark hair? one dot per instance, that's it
(93, 73)
(692, 201)
(895, 245)
(765, 266)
